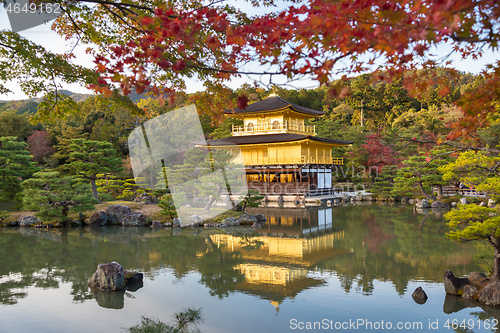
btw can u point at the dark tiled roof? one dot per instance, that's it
(274, 103)
(269, 138)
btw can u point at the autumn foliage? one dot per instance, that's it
(322, 39)
(39, 145)
(377, 153)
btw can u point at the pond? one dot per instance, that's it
(330, 268)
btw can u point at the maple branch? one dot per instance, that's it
(213, 3)
(233, 71)
(119, 4)
(77, 28)
(123, 20)
(455, 145)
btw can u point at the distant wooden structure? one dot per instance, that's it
(466, 192)
(282, 155)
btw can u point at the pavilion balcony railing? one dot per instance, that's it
(273, 128)
(293, 160)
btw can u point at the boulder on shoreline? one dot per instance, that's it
(247, 219)
(116, 213)
(424, 203)
(476, 286)
(176, 223)
(98, 219)
(452, 284)
(134, 219)
(490, 295)
(28, 221)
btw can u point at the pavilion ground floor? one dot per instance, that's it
(307, 180)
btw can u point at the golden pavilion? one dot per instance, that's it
(282, 155)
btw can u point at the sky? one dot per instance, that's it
(49, 39)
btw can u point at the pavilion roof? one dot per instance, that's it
(270, 138)
(274, 103)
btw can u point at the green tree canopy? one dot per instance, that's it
(15, 165)
(93, 160)
(53, 196)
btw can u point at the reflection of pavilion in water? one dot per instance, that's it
(276, 263)
(296, 222)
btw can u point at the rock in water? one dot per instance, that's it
(470, 292)
(230, 222)
(419, 296)
(452, 284)
(108, 277)
(477, 277)
(247, 219)
(439, 204)
(116, 213)
(490, 295)
(133, 277)
(260, 218)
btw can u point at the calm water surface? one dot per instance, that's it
(327, 265)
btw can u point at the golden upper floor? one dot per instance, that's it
(273, 115)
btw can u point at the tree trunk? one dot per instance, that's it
(212, 199)
(496, 262)
(94, 189)
(423, 191)
(440, 191)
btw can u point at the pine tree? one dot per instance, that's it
(63, 148)
(384, 183)
(15, 165)
(89, 159)
(422, 170)
(167, 206)
(252, 199)
(473, 222)
(53, 196)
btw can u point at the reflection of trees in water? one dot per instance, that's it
(387, 243)
(45, 259)
(454, 304)
(217, 269)
(390, 243)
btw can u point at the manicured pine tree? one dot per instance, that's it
(167, 206)
(53, 196)
(384, 184)
(109, 186)
(252, 199)
(474, 222)
(90, 159)
(422, 170)
(63, 148)
(15, 165)
(133, 187)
